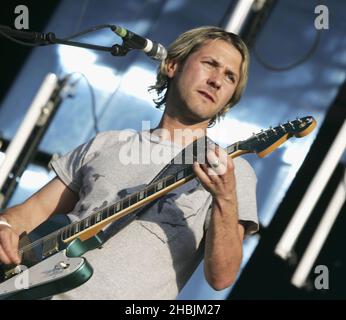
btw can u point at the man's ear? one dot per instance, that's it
(172, 67)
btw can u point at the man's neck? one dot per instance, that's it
(180, 132)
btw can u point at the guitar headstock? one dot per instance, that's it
(267, 141)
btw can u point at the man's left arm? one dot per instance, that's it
(224, 238)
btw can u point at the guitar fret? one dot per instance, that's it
(150, 190)
(126, 203)
(81, 226)
(232, 148)
(170, 180)
(64, 234)
(180, 175)
(188, 170)
(69, 232)
(141, 195)
(133, 199)
(105, 213)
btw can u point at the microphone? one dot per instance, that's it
(152, 49)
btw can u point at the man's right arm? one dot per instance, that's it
(54, 197)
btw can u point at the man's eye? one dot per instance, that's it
(209, 63)
(231, 78)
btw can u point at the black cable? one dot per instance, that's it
(76, 28)
(92, 94)
(294, 64)
(77, 34)
(300, 61)
(82, 13)
(93, 103)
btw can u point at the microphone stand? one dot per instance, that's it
(40, 38)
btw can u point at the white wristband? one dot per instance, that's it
(4, 223)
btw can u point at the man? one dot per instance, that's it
(153, 257)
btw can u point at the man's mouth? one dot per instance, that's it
(207, 95)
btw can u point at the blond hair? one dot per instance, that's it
(189, 42)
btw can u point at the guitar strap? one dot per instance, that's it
(196, 150)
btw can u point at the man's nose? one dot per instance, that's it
(214, 79)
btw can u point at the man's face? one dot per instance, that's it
(206, 82)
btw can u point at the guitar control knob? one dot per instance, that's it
(62, 265)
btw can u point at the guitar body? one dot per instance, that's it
(59, 272)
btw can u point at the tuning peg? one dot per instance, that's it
(282, 127)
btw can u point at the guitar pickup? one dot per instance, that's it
(50, 246)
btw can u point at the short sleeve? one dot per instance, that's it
(69, 167)
(246, 194)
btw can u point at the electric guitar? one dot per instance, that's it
(54, 263)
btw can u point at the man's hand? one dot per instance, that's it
(219, 178)
(54, 197)
(9, 240)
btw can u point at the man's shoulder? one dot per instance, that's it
(114, 136)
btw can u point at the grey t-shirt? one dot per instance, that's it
(153, 256)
